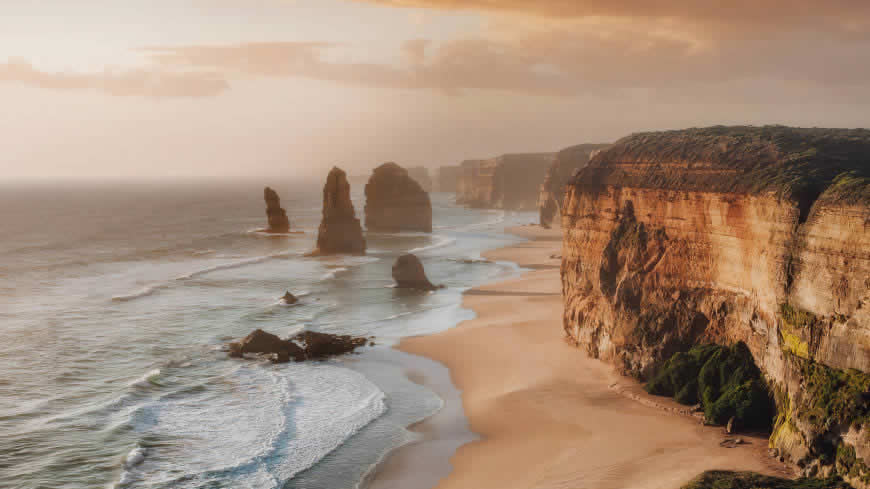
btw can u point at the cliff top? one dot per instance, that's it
(798, 163)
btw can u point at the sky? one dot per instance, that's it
(289, 88)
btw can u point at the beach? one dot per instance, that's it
(547, 415)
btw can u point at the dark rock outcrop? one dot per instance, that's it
(340, 231)
(420, 174)
(507, 182)
(278, 222)
(448, 178)
(729, 234)
(262, 342)
(323, 345)
(307, 345)
(396, 202)
(408, 273)
(565, 164)
(289, 298)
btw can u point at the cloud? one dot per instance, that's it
(136, 82)
(848, 14)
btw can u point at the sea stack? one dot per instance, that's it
(340, 231)
(278, 222)
(408, 273)
(396, 202)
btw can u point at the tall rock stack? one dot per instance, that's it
(421, 175)
(278, 222)
(728, 234)
(340, 231)
(567, 162)
(396, 202)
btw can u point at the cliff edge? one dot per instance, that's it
(723, 235)
(565, 164)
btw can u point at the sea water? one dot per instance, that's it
(117, 298)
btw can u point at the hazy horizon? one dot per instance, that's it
(222, 89)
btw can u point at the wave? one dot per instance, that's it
(334, 273)
(147, 380)
(442, 242)
(492, 222)
(261, 432)
(151, 289)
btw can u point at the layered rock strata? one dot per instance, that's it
(340, 230)
(565, 164)
(396, 202)
(507, 182)
(277, 217)
(728, 234)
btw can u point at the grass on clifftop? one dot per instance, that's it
(724, 380)
(799, 163)
(720, 479)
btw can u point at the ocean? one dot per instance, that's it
(116, 300)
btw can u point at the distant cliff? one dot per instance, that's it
(448, 178)
(729, 234)
(507, 182)
(565, 164)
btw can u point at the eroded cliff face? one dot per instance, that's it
(396, 202)
(448, 178)
(565, 164)
(720, 235)
(506, 182)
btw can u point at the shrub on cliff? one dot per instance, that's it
(724, 380)
(722, 479)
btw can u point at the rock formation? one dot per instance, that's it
(262, 342)
(448, 178)
(307, 345)
(728, 234)
(278, 222)
(506, 182)
(408, 273)
(289, 298)
(340, 230)
(420, 174)
(396, 202)
(565, 164)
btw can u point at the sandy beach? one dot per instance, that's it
(547, 415)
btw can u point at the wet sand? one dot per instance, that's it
(547, 415)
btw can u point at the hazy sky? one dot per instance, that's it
(278, 88)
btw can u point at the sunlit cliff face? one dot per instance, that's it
(196, 88)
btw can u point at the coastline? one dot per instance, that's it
(546, 414)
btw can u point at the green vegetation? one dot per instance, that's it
(724, 380)
(848, 463)
(720, 479)
(795, 321)
(836, 396)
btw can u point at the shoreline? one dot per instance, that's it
(547, 415)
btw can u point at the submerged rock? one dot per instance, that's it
(340, 230)
(278, 222)
(408, 273)
(396, 202)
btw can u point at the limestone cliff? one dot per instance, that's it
(727, 234)
(396, 202)
(276, 216)
(448, 178)
(507, 182)
(340, 230)
(565, 164)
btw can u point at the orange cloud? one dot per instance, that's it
(139, 82)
